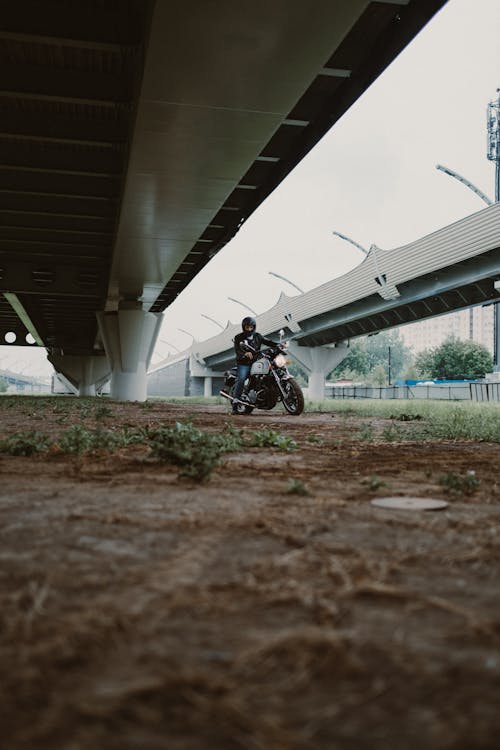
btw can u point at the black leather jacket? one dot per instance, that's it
(243, 342)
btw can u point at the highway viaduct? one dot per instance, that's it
(452, 268)
(136, 138)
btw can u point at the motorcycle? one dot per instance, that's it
(268, 382)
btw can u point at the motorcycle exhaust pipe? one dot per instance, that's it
(238, 401)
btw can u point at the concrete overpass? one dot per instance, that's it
(136, 138)
(21, 383)
(453, 268)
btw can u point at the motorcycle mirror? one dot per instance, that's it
(282, 333)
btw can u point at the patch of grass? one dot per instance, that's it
(314, 439)
(443, 420)
(184, 445)
(366, 432)
(25, 444)
(269, 438)
(77, 439)
(461, 484)
(102, 411)
(392, 434)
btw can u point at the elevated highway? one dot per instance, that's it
(136, 138)
(455, 267)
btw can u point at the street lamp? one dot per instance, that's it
(163, 341)
(493, 154)
(213, 321)
(353, 242)
(278, 276)
(466, 182)
(243, 305)
(186, 332)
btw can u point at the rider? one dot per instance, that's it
(246, 345)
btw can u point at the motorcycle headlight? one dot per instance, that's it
(280, 360)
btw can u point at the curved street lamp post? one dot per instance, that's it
(186, 332)
(213, 320)
(283, 278)
(353, 242)
(466, 182)
(243, 305)
(496, 305)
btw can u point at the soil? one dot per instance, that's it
(141, 610)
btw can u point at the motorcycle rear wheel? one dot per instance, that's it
(243, 409)
(294, 398)
(239, 408)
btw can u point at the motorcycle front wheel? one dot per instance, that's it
(293, 400)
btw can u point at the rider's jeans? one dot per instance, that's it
(242, 375)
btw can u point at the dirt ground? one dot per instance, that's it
(143, 611)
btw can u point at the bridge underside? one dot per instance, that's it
(137, 136)
(70, 75)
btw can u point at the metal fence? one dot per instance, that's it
(447, 392)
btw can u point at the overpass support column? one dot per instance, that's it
(318, 361)
(129, 336)
(83, 374)
(207, 386)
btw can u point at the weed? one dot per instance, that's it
(465, 484)
(366, 432)
(296, 487)
(231, 439)
(374, 482)
(185, 445)
(392, 433)
(25, 444)
(314, 439)
(76, 439)
(268, 438)
(102, 411)
(131, 436)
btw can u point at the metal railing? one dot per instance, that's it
(458, 392)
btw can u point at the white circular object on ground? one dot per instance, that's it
(409, 503)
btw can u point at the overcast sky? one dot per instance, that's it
(372, 177)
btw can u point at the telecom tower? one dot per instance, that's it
(494, 141)
(494, 155)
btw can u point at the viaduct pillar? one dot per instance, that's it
(129, 336)
(318, 361)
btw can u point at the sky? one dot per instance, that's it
(372, 177)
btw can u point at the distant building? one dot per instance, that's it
(475, 323)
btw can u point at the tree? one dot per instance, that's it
(455, 360)
(424, 363)
(368, 352)
(379, 375)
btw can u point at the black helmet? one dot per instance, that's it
(248, 321)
